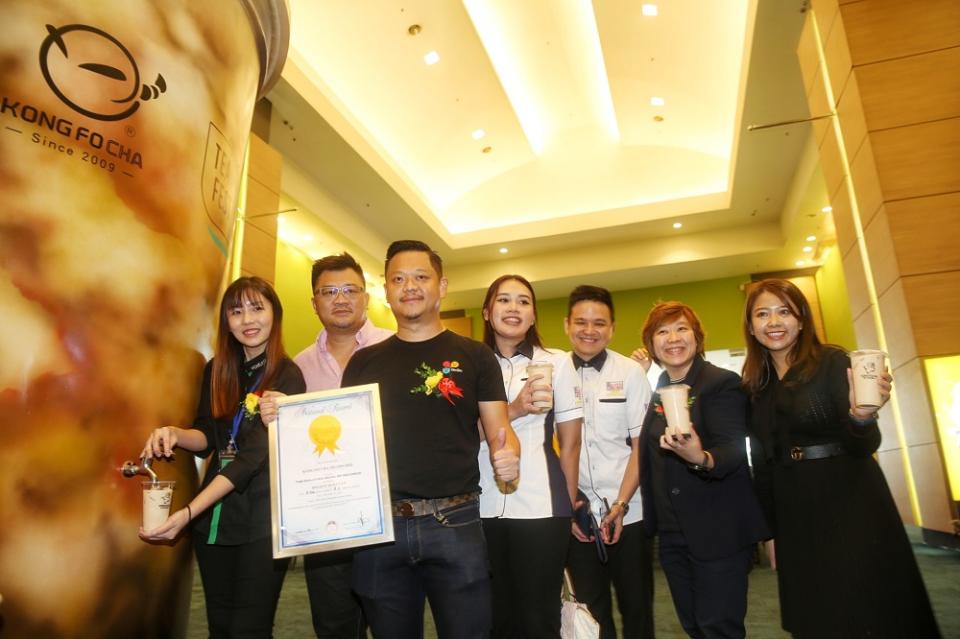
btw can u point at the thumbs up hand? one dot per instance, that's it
(505, 460)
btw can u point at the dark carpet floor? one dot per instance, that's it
(940, 568)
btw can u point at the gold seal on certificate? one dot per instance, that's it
(328, 472)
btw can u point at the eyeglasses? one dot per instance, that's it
(330, 293)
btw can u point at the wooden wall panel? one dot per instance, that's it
(837, 56)
(831, 162)
(853, 125)
(266, 164)
(883, 256)
(261, 204)
(897, 326)
(866, 182)
(931, 483)
(926, 233)
(891, 462)
(843, 219)
(259, 253)
(807, 54)
(887, 29)
(919, 160)
(911, 90)
(912, 394)
(933, 301)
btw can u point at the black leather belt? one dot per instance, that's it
(421, 507)
(820, 451)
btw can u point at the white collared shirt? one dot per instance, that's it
(541, 490)
(615, 401)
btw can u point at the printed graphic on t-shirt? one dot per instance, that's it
(439, 383)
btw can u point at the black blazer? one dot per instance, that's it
(717, 511)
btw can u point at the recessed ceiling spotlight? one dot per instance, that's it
(799, 262)
(658, 118)
(808, 249)
(811, 238)
(307, 237)
(504, 250)
(279, 219)
(657, 101)
(487, 149)
(414, 29)
(826, 209)
(677, 225)
(649, 10)
(478, 134)
(432, 58)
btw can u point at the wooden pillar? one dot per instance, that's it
(890, 70)
(259, 251)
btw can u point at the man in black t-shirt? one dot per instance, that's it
(434, 386)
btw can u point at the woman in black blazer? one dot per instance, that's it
(696, 491)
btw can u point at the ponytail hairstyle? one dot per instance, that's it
(805, 353)
(228, 353)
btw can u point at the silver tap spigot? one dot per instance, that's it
(129, 469)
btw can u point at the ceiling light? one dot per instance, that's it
(649, 9)
(307, 237)
(279, 219)
(504, 250)
(811, 238)
(432, 58)
(657, 101)
(677, 225)
(808, 249)
(826, 209)
(478, 134)
(799, 262)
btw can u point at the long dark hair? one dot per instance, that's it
(228, 353)
(489, 335)
(805, 353)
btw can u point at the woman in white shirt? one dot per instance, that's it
(527, 523)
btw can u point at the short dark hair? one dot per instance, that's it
(587, 293)
(402, 246)
(340, 262)
(665, 312)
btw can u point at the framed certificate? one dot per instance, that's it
(328, 472)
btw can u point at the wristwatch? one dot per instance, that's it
(624, 506)
(701, 467)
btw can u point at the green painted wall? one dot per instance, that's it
(718, 303)
(834, 304)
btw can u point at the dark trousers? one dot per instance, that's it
(442, 558)
(241, 585)
(527, 557)
(333, 606)
(710, 596)
(630, 569)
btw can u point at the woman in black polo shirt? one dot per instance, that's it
(231, 514)
(843, 559)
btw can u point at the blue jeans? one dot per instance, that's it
(441, 558)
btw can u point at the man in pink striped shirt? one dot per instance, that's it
(340, 301)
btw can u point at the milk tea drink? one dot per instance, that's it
(543, 388)
(867, 366)
(674, 401)
(157, 497)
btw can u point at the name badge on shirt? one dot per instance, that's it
(615, 389)
(228, 454)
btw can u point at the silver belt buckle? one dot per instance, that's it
(796, 453)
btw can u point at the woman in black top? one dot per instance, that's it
(843, 560)
(231, 513)
(696, 491)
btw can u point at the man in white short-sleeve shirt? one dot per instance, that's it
(615, 395)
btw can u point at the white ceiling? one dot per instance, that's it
(582, 178)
